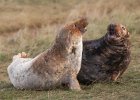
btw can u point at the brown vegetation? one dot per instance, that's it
(30, 26)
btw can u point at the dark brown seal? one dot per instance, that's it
(106, 58)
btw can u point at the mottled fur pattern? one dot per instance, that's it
(58, 65)
(105, 59)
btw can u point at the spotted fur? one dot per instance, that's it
(58, 65)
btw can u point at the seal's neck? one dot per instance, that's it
(64, 49)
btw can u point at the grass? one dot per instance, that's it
(31, 26)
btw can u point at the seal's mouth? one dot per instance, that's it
(81, 25)
(111, 29)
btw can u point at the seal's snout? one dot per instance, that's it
(81, 24)
(111, 29)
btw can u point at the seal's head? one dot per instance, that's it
(77, 27)
(117, 31)
(81, 25)
(71, 34)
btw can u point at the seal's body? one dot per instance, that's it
(58, 65)
(105, 59)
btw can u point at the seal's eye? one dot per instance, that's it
(123, 28)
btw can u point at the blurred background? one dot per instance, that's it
(31, 26)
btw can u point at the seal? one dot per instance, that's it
(107, 58)
(54, 67)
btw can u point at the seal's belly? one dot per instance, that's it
(22, 76)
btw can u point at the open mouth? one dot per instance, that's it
(81, 25)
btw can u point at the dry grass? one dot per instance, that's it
(31, 26)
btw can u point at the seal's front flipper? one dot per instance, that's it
(73, 83)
